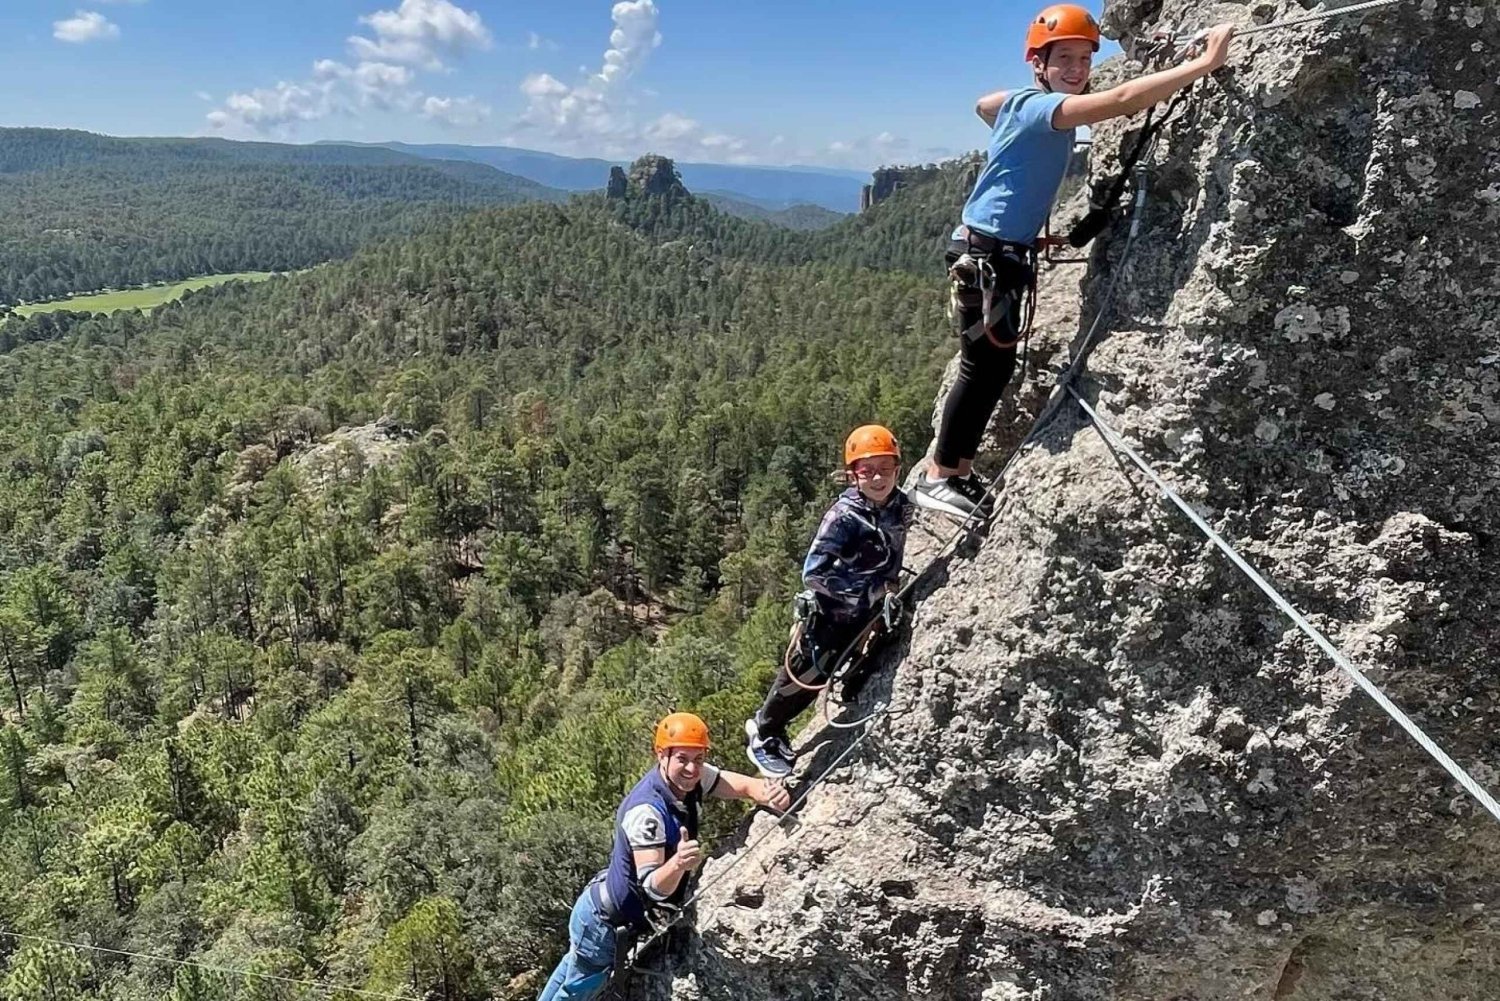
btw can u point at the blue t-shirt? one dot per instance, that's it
(1027, 161)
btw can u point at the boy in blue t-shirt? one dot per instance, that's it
(991, 258)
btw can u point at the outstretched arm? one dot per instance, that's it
(733, 785)
(1137, 95)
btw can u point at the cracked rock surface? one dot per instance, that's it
(1113, 770)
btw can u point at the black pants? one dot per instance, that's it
(825, 639)
(984, 368)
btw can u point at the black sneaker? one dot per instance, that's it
(986, 492)
(771, 754)
(955, 496)
(981, 490)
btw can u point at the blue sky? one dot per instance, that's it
(829, 82)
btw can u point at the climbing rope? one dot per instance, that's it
(1292, 22)
(230, 971)
(1117, 441)
(1322, 15)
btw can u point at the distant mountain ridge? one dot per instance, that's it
(774, 188)
(23, 150)
(807, 217)
(81, 211)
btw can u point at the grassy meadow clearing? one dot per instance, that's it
(138, 298)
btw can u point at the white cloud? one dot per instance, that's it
(417, 36)
(536, 42)
(85, 26)
(594, 115)
(421, 33)
(456, 112)
(381, 85)
(631, 42)
(543, 85)
(267, 109)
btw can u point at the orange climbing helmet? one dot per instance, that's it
(1058, 23)
(681, 730)
(870, 440)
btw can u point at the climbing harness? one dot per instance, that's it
(856, 649)
(1117, 441)
(974, 270)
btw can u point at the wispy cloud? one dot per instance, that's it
(594, 108)
(598, 114)
(418, 36)
(456, 112)
(85, 26)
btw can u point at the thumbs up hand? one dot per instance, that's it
(689, 853)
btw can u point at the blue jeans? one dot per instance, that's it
(584, 970)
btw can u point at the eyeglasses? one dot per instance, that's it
(866, 469)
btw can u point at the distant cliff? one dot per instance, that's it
(886, 181)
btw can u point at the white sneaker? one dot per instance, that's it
(956, 496)
(771, 755)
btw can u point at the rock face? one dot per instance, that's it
(1112, 770)
(886, 181)
(618, 185)
(650, 175)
